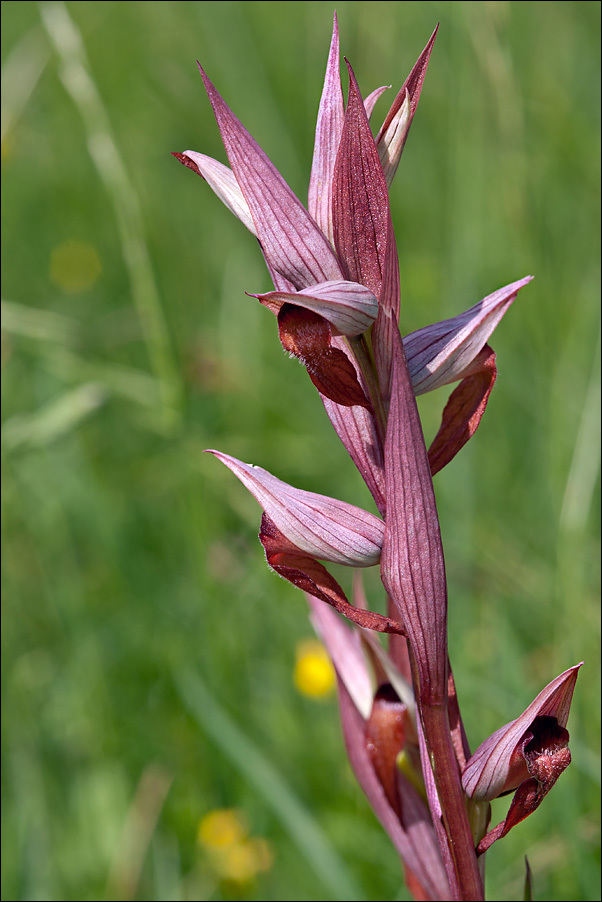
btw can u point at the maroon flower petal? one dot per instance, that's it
(546, 754)
(463, 411)
(492, 769)
(314, 579)
(385, 739)
(307, 336)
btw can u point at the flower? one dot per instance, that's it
(527, 755)
(314, 674)
(378, 727)
(299, 527)
(316, 525)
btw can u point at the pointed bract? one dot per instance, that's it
(291, 241)
(412, 566)
(360, 201)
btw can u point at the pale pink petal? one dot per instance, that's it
(442, 353)
(486, 773)
(328, 136)
(394, 130)
(371, 99)
(316, 524)
(222, 180)
(348, 306)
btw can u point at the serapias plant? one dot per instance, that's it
(335, 271)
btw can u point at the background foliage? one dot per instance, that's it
(147, 652)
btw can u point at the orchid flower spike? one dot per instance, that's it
(335, 273)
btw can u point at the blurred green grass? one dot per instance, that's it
(132, 576)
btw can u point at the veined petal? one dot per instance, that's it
(442, 353)
(488, 771)
(329, 126)
(371, 99)
(222, 181)
(394, 131)
(291, 241)
(391, 144)
(316, 524)
(348, 306)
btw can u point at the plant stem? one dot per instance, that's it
(460, 859)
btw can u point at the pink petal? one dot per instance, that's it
(347, 306)
(292, 243)
(394, 131)
(316, 524)
(345, 649)
(328, 136)
(223, 182)
(487, 771)
(442, 353)
(371, 99)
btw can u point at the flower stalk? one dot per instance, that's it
(336, 297)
